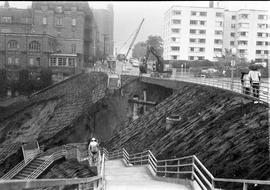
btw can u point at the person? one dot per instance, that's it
(255, 77)
(245, 81)
(93, 148)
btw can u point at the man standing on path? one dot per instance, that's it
(255, 77)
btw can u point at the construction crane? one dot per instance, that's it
(158, 66)
(121, 57)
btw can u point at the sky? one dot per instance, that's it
(129, 14)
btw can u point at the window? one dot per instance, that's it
(191, 58)
(193, 22)
(202, 41)
(73, 22)
(192, 40)
(203, 13)
(217, 50)
(218, 32)
(175, 48)
(232, 43)
(58, 21)
(174, 57)
(201, 49)
(219, 14)
(71, 62)
(243, 25)
(73, 48)
(60, 61)
(242, 51)
(9, 60)
(262, 17)
(53, 61)
(232, 25)
(200, 57)
(6, 19)
(259, 43)
(176, 12)
(44, 20)
(38, 61)
(218, 23)
(59, 9)
(262, 26)
(13, 44)
(202, 31)
(31, 61)
(217, 41)
(34, 45)
(16, 61)
(233, 17)
(176, 21)
(175, 39)
(241, 42)
(243, 16)
(175, 30)
(243, 33)
(258, 51)
(192, 49)
(192, 31)
(266, 52)
(202, 22)
(193, 13)
(64, 61)
(259, 34)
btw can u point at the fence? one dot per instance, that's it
(188, 167)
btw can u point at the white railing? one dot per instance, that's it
(184, 167)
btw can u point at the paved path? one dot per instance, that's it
(119, 177)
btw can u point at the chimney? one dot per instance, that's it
(211, 4)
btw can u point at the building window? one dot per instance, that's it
(73, 48)
(202, 31)
(219, 15)
(175, 48)
(71, 62)
(34, 45)
(218, 32)
(242, 42)
(202, 22)
(262, 17)
(191, 49)
(16, 61)
(202, 41)
(232, 43)
(200, 57)
(266, 52)
(232, 34)
(13, 44)
(73, 22)
(192, 31)
(193, 22)
(201, 49)
(60, 61)
(233, 17)
(259, 43)
(53, 61)
(9, 60)
(262, 26)
(242, 51)
(6, 19)
(243, 33)
(219, 23)
(38, 61)
(193, 13)
(243, 16)
(59, 22)
(176, 12)
(64, 61)
(175, 39)
(217, 50)
(59, 9)
(44, 20)
(175, 30)
(31, 61)
(174, 57)
(232, 25)
(203, 13)
(176, 21)
(216, 41)
(191, 58)
(258, 51)
(192, 40)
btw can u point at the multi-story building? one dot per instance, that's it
(105, 24)
(60, 35)
(192, 33)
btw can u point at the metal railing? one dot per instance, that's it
(188, 167)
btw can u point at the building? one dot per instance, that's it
(105, 24)
(197, 33)
(60, 35)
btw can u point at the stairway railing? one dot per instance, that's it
(184, 167)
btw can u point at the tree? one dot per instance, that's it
(25, 85)
(139, 50)
(45, 77)
(157, 43)
(3, 81)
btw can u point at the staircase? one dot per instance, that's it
(31, 167)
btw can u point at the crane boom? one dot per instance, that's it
(133, 40)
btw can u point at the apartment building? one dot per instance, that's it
(197, 33)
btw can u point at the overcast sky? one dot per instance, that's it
(128, 15)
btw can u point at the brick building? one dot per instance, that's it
(60, 35)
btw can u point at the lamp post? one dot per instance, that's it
(234, 51)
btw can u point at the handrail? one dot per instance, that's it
(196, 171)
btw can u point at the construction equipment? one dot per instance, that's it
(157, 66)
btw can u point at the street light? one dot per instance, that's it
(234, 51)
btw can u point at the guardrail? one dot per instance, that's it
(188, 167)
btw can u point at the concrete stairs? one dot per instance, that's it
(31, 167)
(120, 177)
